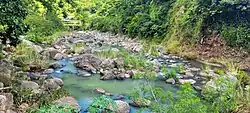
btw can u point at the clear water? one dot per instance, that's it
(82, 88)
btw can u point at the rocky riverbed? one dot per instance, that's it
(94, 58)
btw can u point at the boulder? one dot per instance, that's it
(170, 81)
(107, 64)
(51, 52)
(6, 101)
(53, 84)
(123, 107)
(88, 62)
(118, 63)
(29, 85)
(107, 75)
(69, 101)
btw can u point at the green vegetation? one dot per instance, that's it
(29, 59)
(53, 109)
(11, 20)
(131, 61)
(173, 24)
(103, 103)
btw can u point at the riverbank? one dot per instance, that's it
(101, 63)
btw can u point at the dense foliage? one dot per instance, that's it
(172, 20)
(12, 14)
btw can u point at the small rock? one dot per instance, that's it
(56, 65)
(10, 111)
(211, 84)
(173, 65)
(203, 74)
(100, 91)
(170, 81)
(30, 85)
(194, 69)
(23, 107)
(198, 88)
(1, 85)
(172, 61)
(107, 75)
(53, 84)
(127, 76)
(183, 81)
(69, 101)
(108, 94)
(118, 97)
(58, 56)
(115, 50)
(36, 76)
(188, 74)
(48, 71)
(141, 103)
(83, 73)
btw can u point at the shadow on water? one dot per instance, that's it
(82, 88)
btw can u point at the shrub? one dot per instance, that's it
(186, 101)
(11, 20)
(236, 36)
(42, 28)
(221, 95)
(53, 109)
(103, 103)
(25, 56)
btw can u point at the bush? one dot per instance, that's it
(25, 56)
(53, 109)
(11, 20)
(103, 103)
(42, 28)
(221, 95)
(237, 36)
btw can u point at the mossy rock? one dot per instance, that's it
(5, 79)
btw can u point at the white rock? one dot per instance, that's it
(170, 81)
(183, 81)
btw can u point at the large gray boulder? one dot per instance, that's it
(6, 101)
(123, 107)
(53, 84)
(29, 85)
(88, 62)
(69, 101)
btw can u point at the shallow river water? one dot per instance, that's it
(82, 88)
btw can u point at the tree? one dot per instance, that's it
(12, 14)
